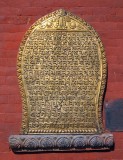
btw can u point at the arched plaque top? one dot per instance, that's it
(62, 75)
(61, 20)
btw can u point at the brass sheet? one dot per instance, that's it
(62, 76)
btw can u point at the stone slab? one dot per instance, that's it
(60, 142)
(114, 115)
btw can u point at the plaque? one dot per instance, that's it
(62, 76)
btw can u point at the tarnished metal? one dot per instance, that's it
(62, 75)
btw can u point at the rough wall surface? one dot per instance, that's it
(16, 16)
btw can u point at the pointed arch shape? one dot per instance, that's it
(61, 21)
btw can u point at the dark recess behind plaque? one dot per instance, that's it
(114, 115)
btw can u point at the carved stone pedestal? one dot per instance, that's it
(65, 142)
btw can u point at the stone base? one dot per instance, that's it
(60, 142)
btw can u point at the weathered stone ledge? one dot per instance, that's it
(60, 142)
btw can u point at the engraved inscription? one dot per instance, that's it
(62, 76)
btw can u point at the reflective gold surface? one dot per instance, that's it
(62, 76)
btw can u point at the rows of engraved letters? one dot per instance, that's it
(50, 71)
(56, 112)
(51, 118)
(45, 64)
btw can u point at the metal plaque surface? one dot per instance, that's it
(62, 76)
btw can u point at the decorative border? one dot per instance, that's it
(19, 71)
(41, 143)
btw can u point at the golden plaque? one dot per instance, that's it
(62, 76)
